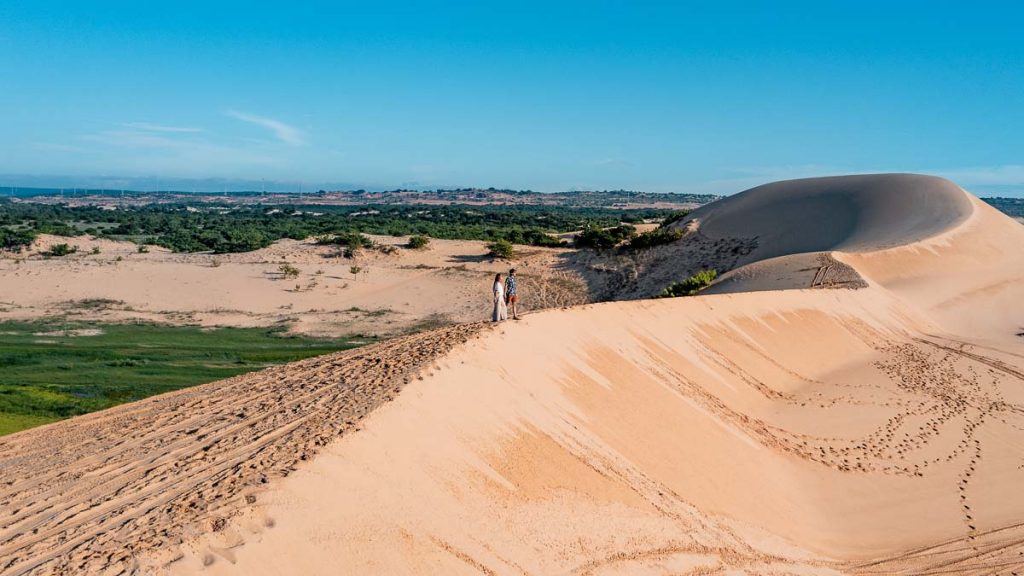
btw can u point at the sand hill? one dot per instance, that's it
(774, 427)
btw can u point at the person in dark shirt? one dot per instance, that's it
(511, 295)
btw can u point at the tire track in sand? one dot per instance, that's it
(90, 494)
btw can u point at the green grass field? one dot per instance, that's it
(51, 370)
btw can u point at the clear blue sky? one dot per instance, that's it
(674, 96)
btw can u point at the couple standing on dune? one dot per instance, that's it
(505, 297)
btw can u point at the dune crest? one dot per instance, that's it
(763, 429)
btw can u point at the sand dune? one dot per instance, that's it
(393, 293)
(766, 429)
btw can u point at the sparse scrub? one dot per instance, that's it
(16, 240)
(673, 218)
(594, 236)
(654, 238)
(502, 249)
(94, 304)
(63, 249)
(95, 250)
(418, 242)
(691, 285)
(288, 271)
(352, 240)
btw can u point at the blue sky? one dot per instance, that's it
(674, 96)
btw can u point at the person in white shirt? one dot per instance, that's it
(500, 309)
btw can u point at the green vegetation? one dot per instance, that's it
(16, 240)
(418, 242)
(673, 218)
(691, 285)
(61, 250)
(51, 370)
(207, 226)
(11, 423)
(594, 236)
(656, 237)
(352, 240)
(1009, 206)
(501, 249)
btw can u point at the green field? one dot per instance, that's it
(51, 370)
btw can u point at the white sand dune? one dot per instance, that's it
(876, 430)
(850, 213)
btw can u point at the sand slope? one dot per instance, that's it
(789, 431)
(393, 293)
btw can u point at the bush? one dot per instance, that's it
(418, 242)
(61, 250)
(288, 271)
(691, 285)
(654, 238)
(352, 240)
(143, 249)
(501, 249)
(594, 236)
(536, 238)
(15, 240)
(673, 218)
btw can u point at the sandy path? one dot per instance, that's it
(94, 492)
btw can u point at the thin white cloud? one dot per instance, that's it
(148, 127)
(286, 133)
(613, 162)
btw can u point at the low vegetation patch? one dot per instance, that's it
(353, 240)
(656, 237)
(418, 242)
(691, 285)
(62, 376)
(673, 218)
(93, 304)
(288, 271)
(501, 249)
(602, 238)
(58, 250)
(16, 240)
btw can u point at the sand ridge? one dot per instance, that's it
(775, 429)
(95, 492)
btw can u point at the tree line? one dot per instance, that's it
(239, 228)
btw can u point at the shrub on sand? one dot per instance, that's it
(501, 249)
(61, 250)
(418, 242)
(288, 271)
(691, 285)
